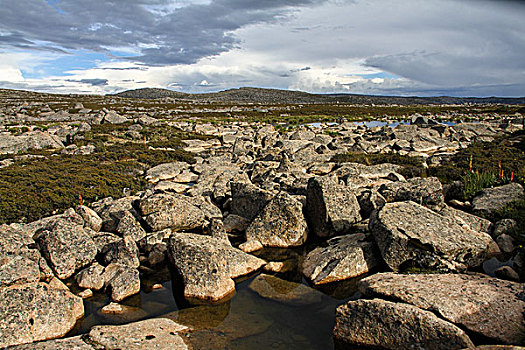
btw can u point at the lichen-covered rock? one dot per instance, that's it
(123, 251)
(17, 241)
(491, 199)
(34, 312)
(475, 302)
(383, 324)
(409, 234)
(208, 265)
(128, 226)
(165, 171)
(344, 257)
(66, 247)
(173, 211)
(280, 224)
(121, 281)
(425, 191)
(91, 277)
(90, 217)
(248, 200)
(73, 343)
(330, 207)
(17, 269)
(471, 221)
(157, 333)
(112, 210)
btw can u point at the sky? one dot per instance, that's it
(379, 47)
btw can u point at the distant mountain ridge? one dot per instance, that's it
(260, 95)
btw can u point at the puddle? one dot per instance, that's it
(266, 312)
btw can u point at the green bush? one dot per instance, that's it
(32, 190)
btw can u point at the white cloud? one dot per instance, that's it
(428, 47)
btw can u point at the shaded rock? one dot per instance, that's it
(73, 343)
(111, 211)
(344, 257)
(16, 269)
(280, 224)
(121, 281)
(157, 333)
(379, 323)
(90, 217)
(91, 277)
(370, 200)
(409, 234)
(505, 226)
(507, 273)
(34, 312)
(330, 207)
(505, 243)
(123, 251)
(170, 211)
(425, 191)
(103, 240)
(147, 243)
(271, 287)
(66, 247)
(128, 226)
(158, 254)
(491, 199)
(216, 229)
(207, 265)
(248, 200)
(479, 303)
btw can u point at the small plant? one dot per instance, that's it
(476, 181)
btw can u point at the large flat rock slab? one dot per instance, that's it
(384, 324)
(158, 333)
(481, 304)
(34, 312)
(409, 234)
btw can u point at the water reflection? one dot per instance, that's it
(267, 311)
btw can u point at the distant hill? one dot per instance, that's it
(259, 95)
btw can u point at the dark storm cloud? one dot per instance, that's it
(92, 82)
(182, 35)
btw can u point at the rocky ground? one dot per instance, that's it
(251, 186)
